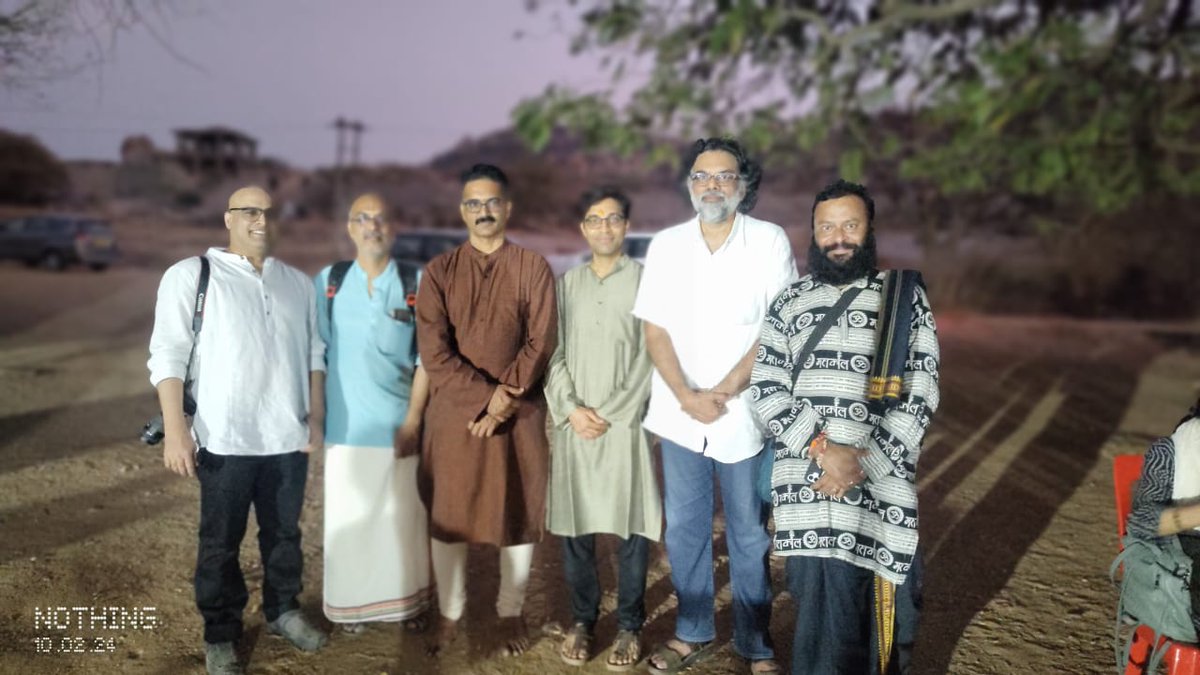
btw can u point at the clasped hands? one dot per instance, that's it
(840, 466)
(704, 405)
(587, 423)
(503, 404)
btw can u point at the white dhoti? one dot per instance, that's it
(376, 537)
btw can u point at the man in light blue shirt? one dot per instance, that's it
(376, 534)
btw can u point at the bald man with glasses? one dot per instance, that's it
(256, 372)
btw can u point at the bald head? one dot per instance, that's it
(368, 226)
(252, 229)
(252, 196)
(368, 203)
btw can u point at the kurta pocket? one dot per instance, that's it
(394, 337)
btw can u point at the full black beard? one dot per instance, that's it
(859, 265)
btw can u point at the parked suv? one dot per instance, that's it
(424, 245)
(55, 241)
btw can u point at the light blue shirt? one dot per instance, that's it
(369, 355)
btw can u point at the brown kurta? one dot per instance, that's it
(483, 320)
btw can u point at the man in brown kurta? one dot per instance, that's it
(486, 328)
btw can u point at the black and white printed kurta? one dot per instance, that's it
(876, 527)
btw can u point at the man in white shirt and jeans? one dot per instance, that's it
(258, 381)
(704, 292)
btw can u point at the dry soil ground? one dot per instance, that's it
(1016, 494)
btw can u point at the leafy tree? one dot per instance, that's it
(1071, 106)
(29, 173)
(33, 32)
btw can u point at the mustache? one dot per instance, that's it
(485, 219)
(840, 247)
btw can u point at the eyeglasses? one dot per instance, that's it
(475, 206)
(850, 227)
(596, 222)
(722, 178)
(364, 219)
(252, 213)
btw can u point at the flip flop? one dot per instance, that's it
(676, 662)
(580, 640)
(767, 667)
(628, 644)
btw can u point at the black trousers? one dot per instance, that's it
(229, 485)
(835, 617)
(579, 565)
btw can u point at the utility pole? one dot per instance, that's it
(349, 137)
(357, 128)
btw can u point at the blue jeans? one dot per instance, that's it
(689, 502)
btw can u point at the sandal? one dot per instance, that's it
(576, 646)
(626, 651)
(764, 667)
(675, 661)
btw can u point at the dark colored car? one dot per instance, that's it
(424, 245)
(57, 241)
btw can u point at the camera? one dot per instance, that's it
(153, 432)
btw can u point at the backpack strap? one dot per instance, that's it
(409, 271)
(337, 274)
(406, 270)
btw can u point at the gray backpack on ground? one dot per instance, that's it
(1154, 592)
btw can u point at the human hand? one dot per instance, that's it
(703, 405)
(406, 442)
(179, 454)
(587, 423)
(841, 469)
(485, 427)
(504, 401)
(316, 436)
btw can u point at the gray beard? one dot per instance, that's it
(715, 212)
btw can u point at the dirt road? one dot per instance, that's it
(1017, 516)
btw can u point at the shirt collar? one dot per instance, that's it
(621, 263)
(738, 231)
(388, 272)
(239, 260)
(480, 255)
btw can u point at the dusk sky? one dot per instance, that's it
(420, 75)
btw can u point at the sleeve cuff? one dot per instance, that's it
(875, 464)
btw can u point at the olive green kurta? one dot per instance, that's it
(607, 484)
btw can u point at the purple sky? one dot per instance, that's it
(421, 75)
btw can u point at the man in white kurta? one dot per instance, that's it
(601, 477)
(376, 528)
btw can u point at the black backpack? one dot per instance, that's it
(407, 271)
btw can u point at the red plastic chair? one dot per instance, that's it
(1181, 658)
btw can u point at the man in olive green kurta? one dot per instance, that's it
(601, 477)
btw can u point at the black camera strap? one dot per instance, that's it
(197, 322)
